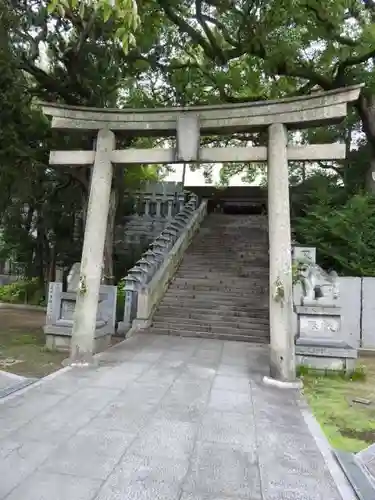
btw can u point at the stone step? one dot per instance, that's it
(220, 327)
(227, 254)
(201, 313)
(223, 275)
(211, 322)
(255, 299)
(235, 281)
(207, 264)
(221, 287)
(227, 293)
(254, 337)
(246, 245)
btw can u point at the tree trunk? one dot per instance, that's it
(109, 239)
(40, 247)
(52, 264)
(366, 110)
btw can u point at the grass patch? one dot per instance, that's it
(22, 345)
(349, 426)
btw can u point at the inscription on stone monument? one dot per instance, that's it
(315, 326)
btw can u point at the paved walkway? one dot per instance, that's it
(161, 418)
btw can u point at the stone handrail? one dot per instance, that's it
(148, 280)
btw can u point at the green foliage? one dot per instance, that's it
(23, 292)
(347, 425)
(357, 374)
(341, 227)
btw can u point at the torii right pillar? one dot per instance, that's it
(282, 357)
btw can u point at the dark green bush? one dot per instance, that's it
(343, 233)
(23, 292)
(120, 300)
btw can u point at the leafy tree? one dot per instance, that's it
(70, 57)
(245, 50)
(328, 225)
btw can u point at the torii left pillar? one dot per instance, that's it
(84, 322)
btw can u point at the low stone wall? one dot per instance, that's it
(147, 281)
(60, 311)
(150, 295)
(357, 301)
(7, 279)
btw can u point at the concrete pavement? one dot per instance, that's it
(163, 418)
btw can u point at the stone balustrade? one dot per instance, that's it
(148, 280)
(160, 200)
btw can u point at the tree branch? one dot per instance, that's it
(186, 28)
(200, 18)
(330, 27)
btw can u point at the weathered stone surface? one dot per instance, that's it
(304, 254)
(300, 112)
(315, 326)
(211, 293)
(368, 312)
(133, 430)
(60, 317)
(350, 305)
(282, 361)
(357, 473)
(320, 343)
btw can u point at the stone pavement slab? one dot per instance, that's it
(10, 383)
(162, 418)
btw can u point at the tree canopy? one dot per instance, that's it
(161, 52)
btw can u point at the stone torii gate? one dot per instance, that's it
(188, 124)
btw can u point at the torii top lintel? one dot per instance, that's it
(295, 112)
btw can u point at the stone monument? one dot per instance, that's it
(319, 343)
(60, 313)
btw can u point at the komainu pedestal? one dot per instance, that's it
(320, 343)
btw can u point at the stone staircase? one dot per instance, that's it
(221, 288)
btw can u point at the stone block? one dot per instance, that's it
(133, 468)
(47, 486)
(326, 363)
(368, 313)
(163, 438)
(20, 463)
(148, 489)
(188, 138)
(326, 350)
(228, 401)
(89, 453)
(317, 309)
(225, 470)
(359, 476)
(224, 428)
(320, 356)
(60, 317)
(234, 384)
(320, 343)
(350, 305)
(316, 326)
(304, 254)
(366, 458)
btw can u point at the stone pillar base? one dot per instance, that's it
(335, 356)
(62, 343)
